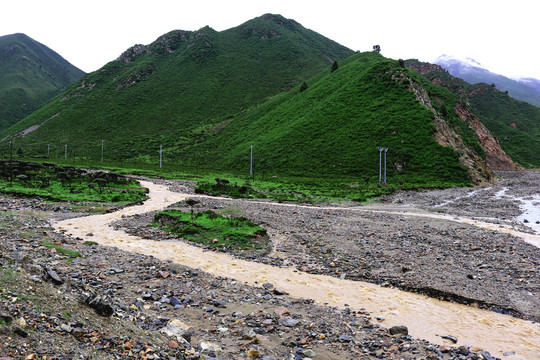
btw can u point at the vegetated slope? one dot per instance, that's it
(525, 89)
(30, 75)
(166, 92)
(335, 126)
(516, 124)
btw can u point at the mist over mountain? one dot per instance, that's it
(525, 89)
(30, 75)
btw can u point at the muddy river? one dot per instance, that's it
(426, 318)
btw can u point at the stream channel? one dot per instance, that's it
(426, 318)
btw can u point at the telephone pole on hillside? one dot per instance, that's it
(381, 149)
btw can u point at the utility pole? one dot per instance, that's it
(385, 150)
(101, 150)
(160, 155)
(381, 149)
(65, 152)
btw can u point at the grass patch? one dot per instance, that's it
(66, 183)
(70, 253)
(8, 277)
(89, 243)
(212, 229)
(225, 187)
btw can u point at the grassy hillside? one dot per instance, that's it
(30, 75)
(333, 128)
(206, 97)
(182, 83)
(516, 124)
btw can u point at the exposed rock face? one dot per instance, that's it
(479, 170)
(131, 53)
(496, 158)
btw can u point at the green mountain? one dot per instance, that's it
(516, 124)
(335, 126)
(184, 81)
(307, 105)
(30, 75)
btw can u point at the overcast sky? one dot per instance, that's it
(501, 35)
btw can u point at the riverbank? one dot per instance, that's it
(385, 246)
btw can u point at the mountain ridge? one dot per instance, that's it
(515, 124)
(524, 89)
(204, 97)
(30, 75)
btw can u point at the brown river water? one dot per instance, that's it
(426, 318)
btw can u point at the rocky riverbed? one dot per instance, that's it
(108, 303)
(437, 257)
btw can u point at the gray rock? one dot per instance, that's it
(309, 353)
(208, 347)
(54, 277)
(100, 304)
(175, 301)
(399, 330)
(450, 337)
(278, 292)
(66, 328)
(219, 304)
(5, 317)
(344, 338)
(487, 356)
(288, 321)
(178, 329)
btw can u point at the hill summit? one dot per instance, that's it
(30, 75)
(181, 83)
(307, 105)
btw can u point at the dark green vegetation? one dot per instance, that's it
(62, 250)
(180, 87)
(224, 187)
(333, 128)
(313, 112)
(516, 124)
(59, 183)
(231, 232)
(30, 75)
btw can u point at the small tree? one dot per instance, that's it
(377, 48)
(303, 87)
(191, 203)
(335, 66)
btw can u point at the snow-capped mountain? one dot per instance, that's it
(470, 70)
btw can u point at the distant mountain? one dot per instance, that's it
(30, 75)
(515, 123)
(525, 89)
